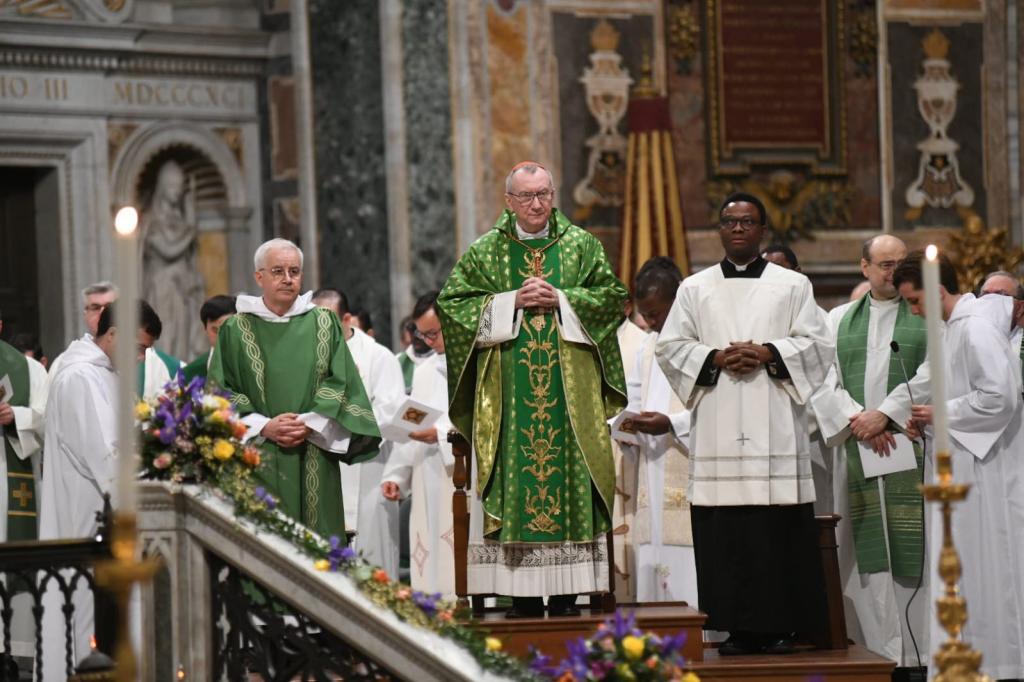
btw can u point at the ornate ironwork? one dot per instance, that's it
(257, 632)
(32, 568)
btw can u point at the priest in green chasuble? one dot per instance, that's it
(530, 315)
(290, 374)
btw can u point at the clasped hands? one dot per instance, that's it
(286, 429)
(869, 426)
(536, 293)
(742, 357)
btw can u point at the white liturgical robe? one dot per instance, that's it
(79, 466)
(748, 440)
(983, 400)
(876, 619)
(663, 541)
(425, 471)
(374, 518)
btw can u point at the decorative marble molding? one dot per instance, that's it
(104, 61)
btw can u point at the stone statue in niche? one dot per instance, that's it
(171, 280)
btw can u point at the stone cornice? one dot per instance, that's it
(107, 61)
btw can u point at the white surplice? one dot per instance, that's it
(878, 600)
(748, 440)
(983, 399)
(663, 542)
(424, 470)
(374, 518)
(631, 338)
(79, 466)
(26, 434)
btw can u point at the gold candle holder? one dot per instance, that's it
(955, 660)
(118, 575)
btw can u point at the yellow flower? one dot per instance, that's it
(492, 644)
(691, 677)
(624, 673)
(143, 411)
(633, 647)
(222, 449)
(322, 565)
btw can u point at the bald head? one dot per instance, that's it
(879, 257)
(1002, 282)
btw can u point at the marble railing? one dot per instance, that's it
(185, 621)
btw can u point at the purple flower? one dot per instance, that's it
(339, 553)
(673, 644)
(426, 602)
(266, 498)
(167, 434)
(541, 664)
(622, 626)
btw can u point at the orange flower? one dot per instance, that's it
(567, 677)
(239, 429)
(251, 456)
(444, 616)
(381, 576)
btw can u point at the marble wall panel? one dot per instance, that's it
(349, 149)
(428, 124)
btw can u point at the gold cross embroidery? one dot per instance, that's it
(23, 495)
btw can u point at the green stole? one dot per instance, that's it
(299, 366)
(902, 497)
(21, 485)
(408, 369)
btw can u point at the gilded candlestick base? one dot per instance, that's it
(956, 661)
(118, 576)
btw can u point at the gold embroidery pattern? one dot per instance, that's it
(240, 399)
(323, 342)
(252, 350)
(354, 410)
(541, 360)
(312, 486)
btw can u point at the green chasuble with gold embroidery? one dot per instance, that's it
(21, 486)
(302, 365)
(536, 406)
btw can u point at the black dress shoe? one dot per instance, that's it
(561, 605)
(738, 645)
(780, 646)
(526, 607)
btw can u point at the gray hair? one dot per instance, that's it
(1019, 295)
(529, 169)
(266, 247)
(103, 287)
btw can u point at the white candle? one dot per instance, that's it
(126, 321)
(936, 354)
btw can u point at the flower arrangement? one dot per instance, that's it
(618, 651)
(192, 433)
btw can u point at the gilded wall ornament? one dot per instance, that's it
(938, 183)
(864, 37)
(606, 86)
(683, 34)
(981, 251)
(796, 206)
(47, 9)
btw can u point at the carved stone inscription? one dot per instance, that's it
(113, 94)
(773, 73)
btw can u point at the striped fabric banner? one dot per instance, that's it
(652, 216)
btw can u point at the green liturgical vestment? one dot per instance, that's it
(302, 365)
(21, 487)
(535, 406)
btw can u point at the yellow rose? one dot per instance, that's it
(492, 644)
(143, 411)
(691, 677)
(633, 647)
(322, 565)
(222, 449)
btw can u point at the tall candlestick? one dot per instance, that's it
(936, 354)
(126, 322)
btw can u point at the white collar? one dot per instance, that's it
(875, 303)
(417, 359)
(254, 305)
(524, 235)
(740, 268)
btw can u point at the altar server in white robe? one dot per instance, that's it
(423, 467)
(983, 401)
(663, 540)
(80, 467)
(631, 338)
(744, 347)
(374, 518)
(878, 589)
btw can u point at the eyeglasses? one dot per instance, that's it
(526, 198)
(729, 222)
(278, 273)
(94, 307)
(427, 336)
(886, 265)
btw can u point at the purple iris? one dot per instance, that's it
(673, 644)
(427, 602)
(266, 498)
(339, 553)
(541, 664)
(623, 625)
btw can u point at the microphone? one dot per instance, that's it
(895, 346)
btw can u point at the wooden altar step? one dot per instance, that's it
(821, 665)
(551, 634)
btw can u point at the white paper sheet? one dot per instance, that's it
(622, 428)
(6, 390)
(411, 416)
(900, 459)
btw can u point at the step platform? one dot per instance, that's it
(821, 665)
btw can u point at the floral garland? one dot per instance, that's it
(192, 432)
